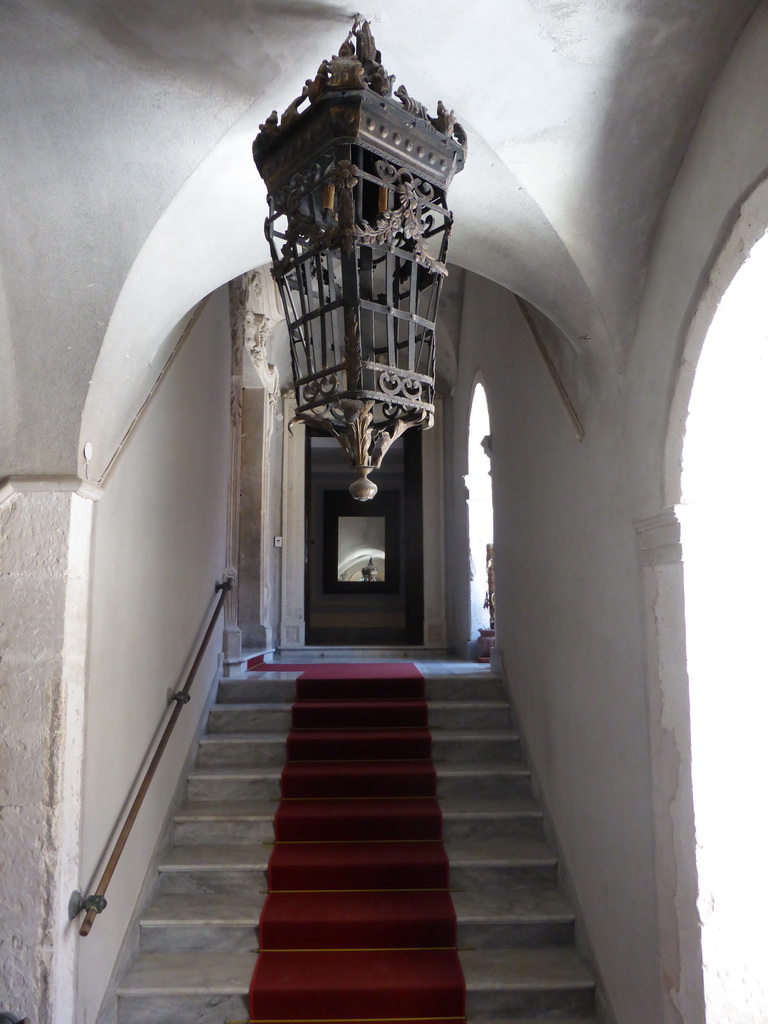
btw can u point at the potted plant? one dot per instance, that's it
(487, 638)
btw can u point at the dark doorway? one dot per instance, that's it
(364, 568)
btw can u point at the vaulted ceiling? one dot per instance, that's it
(128, 190)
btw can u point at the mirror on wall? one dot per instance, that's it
(361, 556)
(361, 546)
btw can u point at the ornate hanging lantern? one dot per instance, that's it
(358, 227)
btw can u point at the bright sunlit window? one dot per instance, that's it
(480, 509)
(724, 521)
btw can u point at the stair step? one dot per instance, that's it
(168, 988)
(240, 718)
(513, 817)
(558, 1019)
(211, 987)
(270, 718)
(227, 922)
(250, 879)
(199, 937)
(216, 923)
(216, 857)
(512, 982)
(233, 784)
(475, 746)
(449, 747)
(359, 714)
(355, 919)
(249, 821)
(248, 883)
(243, 750)
(468, 714)
(229, 783)
(463, 855)
(280, 687)
(496, 918)
(208, 869)
(316, 985)
(185, 974)
(245, 821)
(483, 783)
(258, 688)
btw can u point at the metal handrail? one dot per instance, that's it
(95, 903)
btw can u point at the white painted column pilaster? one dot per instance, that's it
(257, 341)
(292, 609)
(669, 715)
(433, 511)
(258, 312)
(233, 637)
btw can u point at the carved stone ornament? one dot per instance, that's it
(254, 315)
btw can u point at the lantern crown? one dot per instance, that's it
(358, 226)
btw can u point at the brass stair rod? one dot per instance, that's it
(95, 903)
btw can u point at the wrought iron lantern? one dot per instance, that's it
(358, 227)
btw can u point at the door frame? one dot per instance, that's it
(292, 622)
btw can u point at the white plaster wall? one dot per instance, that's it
(159, 546)
(570, 625)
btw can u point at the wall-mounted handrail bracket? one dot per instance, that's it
(181, 697)
(79, 903)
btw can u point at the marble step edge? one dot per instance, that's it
(472, 676)
(227, 911)
(204, 973)
(228, 772)
(473, 734)
(451, 807)
(474, 1019)
(256, 693)
(273, 706)
(515, 852)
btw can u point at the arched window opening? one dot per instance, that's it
(724, 524)
(480, 519)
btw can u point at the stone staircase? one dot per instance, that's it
(198, 938)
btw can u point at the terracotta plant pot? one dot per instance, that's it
(485, 641)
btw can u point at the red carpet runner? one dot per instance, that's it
(359, 924)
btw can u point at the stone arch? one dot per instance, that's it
(748, 226)
(479, 506)
(205, 237)
(716, 450)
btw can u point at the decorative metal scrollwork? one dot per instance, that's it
(405, 223)
(320, 389)
(393, 383)
(358, 227)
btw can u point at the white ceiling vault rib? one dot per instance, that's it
(138, 121)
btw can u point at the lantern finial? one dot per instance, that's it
(363, 489)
